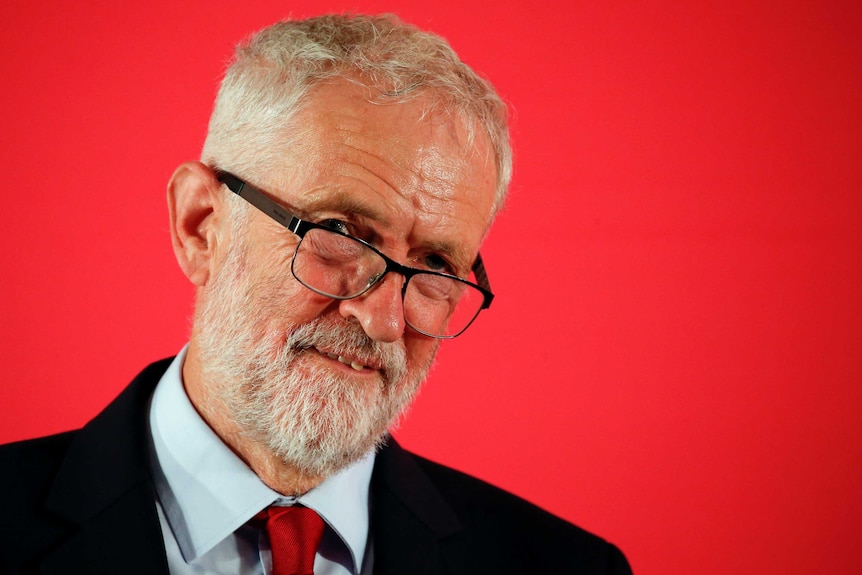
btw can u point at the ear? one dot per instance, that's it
(195, 207)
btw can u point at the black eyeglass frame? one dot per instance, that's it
(300, 227)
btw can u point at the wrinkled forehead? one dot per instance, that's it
(415, 143)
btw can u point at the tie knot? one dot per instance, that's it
(294, 535)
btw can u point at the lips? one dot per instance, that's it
(354, 364)
(348, 344)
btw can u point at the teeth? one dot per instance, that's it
(354, 364)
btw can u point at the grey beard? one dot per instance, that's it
(309, 416)
(282, 397)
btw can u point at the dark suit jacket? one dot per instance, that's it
(83, 502)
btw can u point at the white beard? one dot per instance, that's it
(283, 397)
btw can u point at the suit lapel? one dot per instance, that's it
(413, 527)
(104, 489)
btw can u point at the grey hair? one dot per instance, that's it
(272, 73)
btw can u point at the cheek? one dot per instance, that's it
(420, 351)
(282, 302)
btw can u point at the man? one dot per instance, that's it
(352, 168)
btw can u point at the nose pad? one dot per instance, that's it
(380, 311)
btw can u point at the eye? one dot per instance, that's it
(336, 225)
(437, 263)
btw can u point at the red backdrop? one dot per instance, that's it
(674, 359)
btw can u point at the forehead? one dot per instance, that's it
(396, 159)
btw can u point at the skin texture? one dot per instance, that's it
(399, 175)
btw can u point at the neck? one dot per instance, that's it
(276, 473)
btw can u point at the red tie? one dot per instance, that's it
(294, 535)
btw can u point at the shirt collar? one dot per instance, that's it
(208, 492)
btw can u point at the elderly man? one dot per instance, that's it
(352, 168)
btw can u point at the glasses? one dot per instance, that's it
(340, 266)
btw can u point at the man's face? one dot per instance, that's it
(318, 381)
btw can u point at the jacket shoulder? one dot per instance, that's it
(61, 489)
(505, 523)
(29, 467)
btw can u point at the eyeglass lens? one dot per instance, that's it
(341, 267)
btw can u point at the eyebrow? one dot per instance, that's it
(345, 202)
(341, 201)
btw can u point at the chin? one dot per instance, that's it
(319, 422)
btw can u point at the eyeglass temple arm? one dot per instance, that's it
(256, 198)
(481, 275)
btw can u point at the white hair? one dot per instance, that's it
(272, 73)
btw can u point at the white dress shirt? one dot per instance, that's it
(206, 494)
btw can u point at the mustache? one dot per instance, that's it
(349, 339)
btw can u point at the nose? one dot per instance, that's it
(380, 311)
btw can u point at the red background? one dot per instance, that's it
(674, 359)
